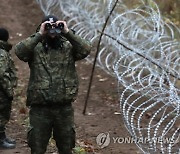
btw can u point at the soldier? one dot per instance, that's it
(53, 85)
(8, 81)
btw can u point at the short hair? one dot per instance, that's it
(4, 34)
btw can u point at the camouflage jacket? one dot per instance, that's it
(53, 77)
(8, 78)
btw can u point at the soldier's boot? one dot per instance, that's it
(6, 143)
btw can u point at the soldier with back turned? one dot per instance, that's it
(8, 82)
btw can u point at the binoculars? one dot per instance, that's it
(54, 28)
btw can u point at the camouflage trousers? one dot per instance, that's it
(47, 121)
(5, 111)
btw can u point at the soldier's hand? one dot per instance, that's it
(42, 30)
(66, 29)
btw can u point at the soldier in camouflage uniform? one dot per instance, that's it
(53, 83)
(8, 81)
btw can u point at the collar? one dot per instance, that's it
(57, 44)
(5, 45)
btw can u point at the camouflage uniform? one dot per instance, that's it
(8, 81)
(53, 86)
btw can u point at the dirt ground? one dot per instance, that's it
(21, 17)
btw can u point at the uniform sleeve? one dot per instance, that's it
(24, 49)
(5, 82)
(3, 63)
(13, 73)
(81, 47)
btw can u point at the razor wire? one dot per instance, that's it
(141, 50)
